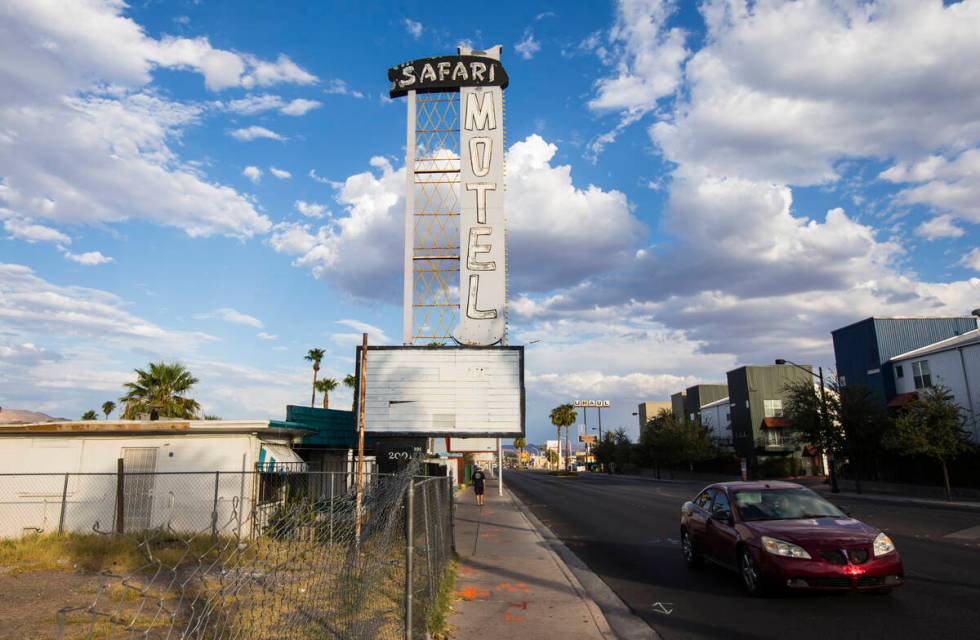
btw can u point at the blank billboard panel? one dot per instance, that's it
(454, 391)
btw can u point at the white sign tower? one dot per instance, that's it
(454, 204)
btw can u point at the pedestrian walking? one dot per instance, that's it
(479, 485)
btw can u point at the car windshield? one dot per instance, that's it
(784, 504)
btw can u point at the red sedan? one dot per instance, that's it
(780, 534)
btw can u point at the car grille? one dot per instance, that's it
(830, 582)
(871, 581)
(834, 557)
(858, 556)
(841, 558)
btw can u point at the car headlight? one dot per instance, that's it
(883, 544)
(779, 547)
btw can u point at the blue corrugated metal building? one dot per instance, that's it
(862, 350)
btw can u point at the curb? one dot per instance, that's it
(614, 619)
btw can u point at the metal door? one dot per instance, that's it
(139, 464)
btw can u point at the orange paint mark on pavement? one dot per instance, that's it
(517, 605)
(511, 618)
(470, 593)
(512, 588)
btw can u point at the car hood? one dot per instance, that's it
(817, 531)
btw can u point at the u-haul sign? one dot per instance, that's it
(454, 391)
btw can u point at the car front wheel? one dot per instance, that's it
(691, 555)
(748, 569)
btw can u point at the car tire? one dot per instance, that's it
(691, 555)
(748, 571)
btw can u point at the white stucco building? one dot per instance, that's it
(63, 475)
(953, 363)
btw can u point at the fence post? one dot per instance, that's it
(452, 512)
(64, 499)
(428, 532)
(409, 552)
(333, 506)
(120, 500)
(214, 508)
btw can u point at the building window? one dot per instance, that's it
(899, 371)
(921, 375)
(774, 408)
(774, 437)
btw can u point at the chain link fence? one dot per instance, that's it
(253, 555)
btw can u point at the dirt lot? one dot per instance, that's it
(29, 602)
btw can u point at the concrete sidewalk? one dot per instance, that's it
(510, 583)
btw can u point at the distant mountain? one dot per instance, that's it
(23, 416)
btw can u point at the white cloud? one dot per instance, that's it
(551, 220)
(267, 336)
(951, 187)
(282, 174)
(29, 304)
(260, 103)
(89, 258)
(971, 260)
(339, 87)
(283, 70)
(74, 83)
(254, 132)
(939, 227)
(528, 46)
(253, 104)
(648, 59)
(376, 335)
(23, 229)
(414, 28)
(313, 176)
(310, 209)
(299, 107)
(783, 90)
(253, 173)
(233, 316)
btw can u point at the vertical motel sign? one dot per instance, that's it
(479, 79)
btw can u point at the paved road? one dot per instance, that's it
(626, 530)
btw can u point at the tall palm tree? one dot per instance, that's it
(563, 416)
(314, 356)
(164, 387)
(351, 382)
(108, 407)
(325, 386)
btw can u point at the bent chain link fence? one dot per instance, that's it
(242, 555)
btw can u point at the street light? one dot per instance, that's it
(825, 418)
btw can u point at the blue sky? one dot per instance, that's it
(691, 186)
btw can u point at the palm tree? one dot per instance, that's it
(325, 386)
(563, 416)
(90, 415)
(108, 407)
(351, 382)
(314, 356)
(519, 444)
(164, 387)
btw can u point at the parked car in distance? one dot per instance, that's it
(783, 535)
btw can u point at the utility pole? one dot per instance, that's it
(361, 387)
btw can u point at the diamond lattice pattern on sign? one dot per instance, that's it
(435, 288)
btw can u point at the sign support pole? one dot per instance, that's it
(409, 293)
(362, 383)
(500, 467)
